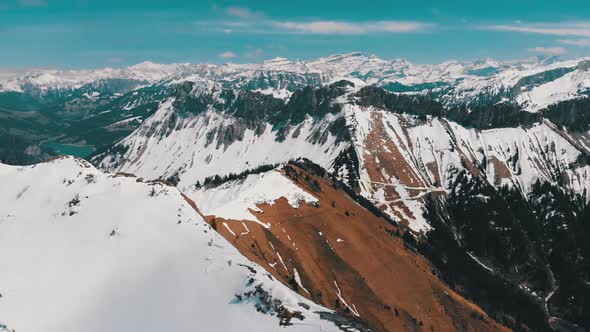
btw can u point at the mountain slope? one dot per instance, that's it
(402, 147)
(505, 194)
(109, 103)
(403, 157)
(84, 250)
(195, 135)
(330, 249)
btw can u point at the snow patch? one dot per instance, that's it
(236, 199)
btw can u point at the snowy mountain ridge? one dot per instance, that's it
(113, 252)
(528, 82)
(428, 152)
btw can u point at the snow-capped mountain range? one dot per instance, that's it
(474, 176)
(532, 83)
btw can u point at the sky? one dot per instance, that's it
(117, 33)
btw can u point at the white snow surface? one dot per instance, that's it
(235, 199)
(564, 88)
(187, 150)
(118, 260)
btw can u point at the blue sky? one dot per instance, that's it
(98, 33)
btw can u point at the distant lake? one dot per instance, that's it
(81, 151)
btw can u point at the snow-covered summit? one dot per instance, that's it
(55, 79)
(89, 251)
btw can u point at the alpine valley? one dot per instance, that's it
(346, 193)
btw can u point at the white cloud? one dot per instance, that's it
(351, 28)
(321, 27)
(243, 13)
(548, 50)
(575, 42)
(397, 26)
(246, 20)
(227, 55)
(580, 29)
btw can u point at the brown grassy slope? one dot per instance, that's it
(339, 246)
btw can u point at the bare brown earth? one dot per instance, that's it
(351, 261)
(387, 155)
(383, 160)
(501, 171)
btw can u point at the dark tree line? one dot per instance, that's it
(217, 180)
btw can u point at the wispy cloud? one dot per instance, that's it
(243, 13)
(321, 27)
(575, 42)
(548, 50)
(578, 29)
(352, 28)
(227, 55)
(245, 20)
